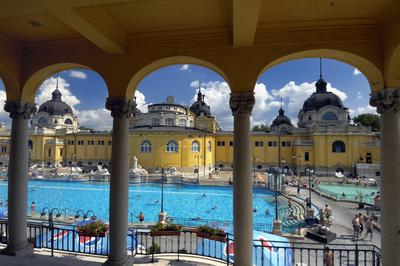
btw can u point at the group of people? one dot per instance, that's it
(325, 215)
(358, 226)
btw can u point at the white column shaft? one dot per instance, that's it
(18, 184)
(119, 186)
(390, 187)
(242, 191)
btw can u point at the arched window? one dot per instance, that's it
(338, 146)
(195, 146)
(172, 146)
(42, 120)
(182, 122)
(169, 121)
(209, 148)
(145, 146)
(191, 123)
(68, 121)
(155, 121)
(329, 116)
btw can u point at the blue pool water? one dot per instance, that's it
(183, 201)
(349, 192)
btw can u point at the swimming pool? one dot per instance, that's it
(183, 201)
(348, 192)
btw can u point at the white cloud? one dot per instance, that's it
(77, 74)
(356, 72)
(141, 101)
(217, 95)
(368, 109)
(49, 85)
(4, 116)
(99, 119)
(296, 94)
(184, 67)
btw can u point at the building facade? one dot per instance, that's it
(189, 139)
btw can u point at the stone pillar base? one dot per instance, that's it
(277, 227)
(25, 251)
(161, 217)
(309, 213)
(127, 261)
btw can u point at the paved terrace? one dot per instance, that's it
(343, 213)
(42, 258)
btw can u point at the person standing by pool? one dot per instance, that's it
(33, 208)
(290, 203)
(328, 213)
(321, 217)
(370, 229)
(141, 217)
(298, 187)
(356, 226)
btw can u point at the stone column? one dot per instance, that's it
(121, 110)
(387, 102)
(241, 105)
(20, 113)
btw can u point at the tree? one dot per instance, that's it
(261, 127)
(368, 120)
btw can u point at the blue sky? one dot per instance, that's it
(293, 81)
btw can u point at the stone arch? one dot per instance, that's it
(167, 61)
(371, 71)
(392, 70)
(33, 82)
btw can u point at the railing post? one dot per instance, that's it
(356, 255)
(153, 249)
(227, 251)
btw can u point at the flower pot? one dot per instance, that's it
(165, 233)
(104, 234)
(211, 237)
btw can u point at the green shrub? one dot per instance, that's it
(154, 249)
(166, 227)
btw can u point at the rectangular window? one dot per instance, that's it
(49, 153)
(109, 142)
(306, 156)
(286, 144)
(259, 143)
(231, 143)
(272, 143)
(72, 142)
(61, 150)
(220, 143)
(100, 142)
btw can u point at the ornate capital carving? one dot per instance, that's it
(242, 103)
(386, 100)
(19, 109)
(120, 106)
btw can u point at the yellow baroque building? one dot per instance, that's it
(190, 140)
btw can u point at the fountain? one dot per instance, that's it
(100, 174)
(137, 171)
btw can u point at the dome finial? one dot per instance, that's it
(281, 111)
(320, 67)
(56, 94)
(321, 83)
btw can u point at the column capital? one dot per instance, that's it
(242, 103)
(120, 106)
(386, 100)
(20, 109)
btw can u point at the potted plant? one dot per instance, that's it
(208, 232)
(360, 197)
(94, 228)
(154, 249)
(161, 229)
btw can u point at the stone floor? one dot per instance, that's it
(343, 213)
(44, 259)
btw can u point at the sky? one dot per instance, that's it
(293, 81)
